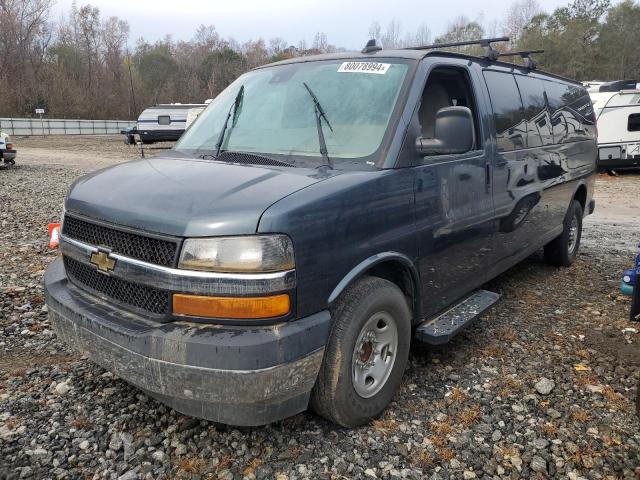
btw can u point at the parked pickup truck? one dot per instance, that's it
(318, 214)
(7, 152)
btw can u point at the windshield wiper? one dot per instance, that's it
(233, 110)
(319, 114)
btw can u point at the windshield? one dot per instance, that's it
(275, 113)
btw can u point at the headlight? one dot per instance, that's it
(249, 254)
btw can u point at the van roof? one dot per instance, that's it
(415, 54)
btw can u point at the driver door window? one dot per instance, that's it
(446, 87)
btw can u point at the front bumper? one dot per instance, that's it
(239, 375)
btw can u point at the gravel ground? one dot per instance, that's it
(542, 387)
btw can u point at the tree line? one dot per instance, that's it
(82, 67)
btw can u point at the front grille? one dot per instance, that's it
(128, 294)
(148, 249)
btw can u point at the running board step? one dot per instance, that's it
(443, 328)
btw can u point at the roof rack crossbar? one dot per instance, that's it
(529, 62)
(489, 52)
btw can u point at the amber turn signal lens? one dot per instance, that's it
(231, 307)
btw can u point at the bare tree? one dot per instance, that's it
(320, 43)
(422, 36)
(518, 17)
(391, 37)
(375, 31)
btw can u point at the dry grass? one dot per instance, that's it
(470, 415)
(588, 379)
(614, 399)
(81, 423)
(425, 459)
(492, 351)
(550, 429)
(225, 463)
(585, 456)
(456, 396)
(18, 372)
(446, 454)
(290, 454)
(438, 441)
(36, 328)
(11, 423)
(251, 467)
(507, 334)
(193, 465)
(508, 451)
(384, 425)
(441, 428)
(580, 416)
(584, 354)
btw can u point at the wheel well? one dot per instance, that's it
(581, 196)
(399, 274)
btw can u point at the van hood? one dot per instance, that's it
(185, 197)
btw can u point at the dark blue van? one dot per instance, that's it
(319, 213)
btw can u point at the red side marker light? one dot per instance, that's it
(53, 230)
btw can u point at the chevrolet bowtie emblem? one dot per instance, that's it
(103, 261)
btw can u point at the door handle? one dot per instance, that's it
(487, 177)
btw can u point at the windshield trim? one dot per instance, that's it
(377, 158)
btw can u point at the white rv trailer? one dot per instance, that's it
(617, 109)
(166, 122)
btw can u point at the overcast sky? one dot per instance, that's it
(346, 22)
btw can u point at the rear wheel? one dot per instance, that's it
(562, 251)
(366, 354)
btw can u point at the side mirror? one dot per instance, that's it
(454, 133)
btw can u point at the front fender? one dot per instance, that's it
(366, 265)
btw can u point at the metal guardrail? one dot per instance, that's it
(54, 126)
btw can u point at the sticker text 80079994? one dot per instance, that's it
(364, 67)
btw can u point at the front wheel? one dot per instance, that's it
(562, 251)
(366, 353)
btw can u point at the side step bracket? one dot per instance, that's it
(444, 327)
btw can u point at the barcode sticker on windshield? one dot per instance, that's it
(364, 67)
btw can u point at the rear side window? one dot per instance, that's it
(572, 115)
(164, 120)
(634, 122)
(537, 118)
(508, 111)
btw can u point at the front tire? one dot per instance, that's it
(562, 251)
(366, 354)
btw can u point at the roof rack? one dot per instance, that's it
(489, 52)
(529, 62)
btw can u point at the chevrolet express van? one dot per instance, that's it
(318, 214)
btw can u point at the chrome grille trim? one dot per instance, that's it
(148, 247)
(184, 281)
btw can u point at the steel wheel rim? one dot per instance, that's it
(374, 354)
(573, 235)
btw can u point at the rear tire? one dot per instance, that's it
(366, 354)
(562, 251)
